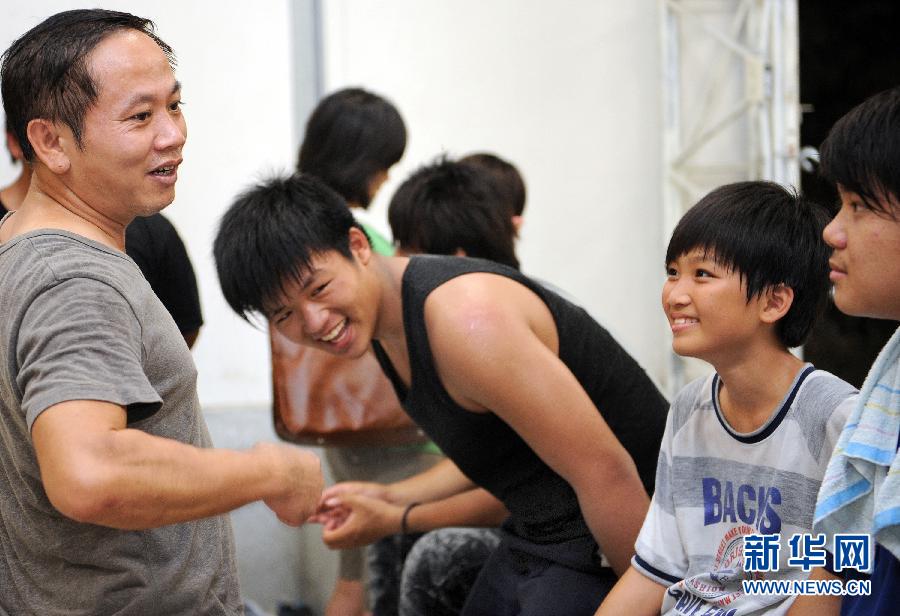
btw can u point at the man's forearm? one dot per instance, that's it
(125, 478)
(155, 481)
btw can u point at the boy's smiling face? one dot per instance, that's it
(865, 265)
(332, 307)
(707, 308)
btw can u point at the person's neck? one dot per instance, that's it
(754, 383)
(50, 204)
(389, 329)
(13, 195)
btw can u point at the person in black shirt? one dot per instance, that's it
(153, 243)
(535, 403)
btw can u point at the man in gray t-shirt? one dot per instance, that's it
(111, 498)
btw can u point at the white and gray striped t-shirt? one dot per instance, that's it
(715, 485)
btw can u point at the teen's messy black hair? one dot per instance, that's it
(862, 152)
(351, 136)
(509, 181)
(270, 233)
(770, 236)
(447, 206)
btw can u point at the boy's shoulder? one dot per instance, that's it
(822, 392)
(821, 408)
(695, 397)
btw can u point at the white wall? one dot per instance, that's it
(570, 92)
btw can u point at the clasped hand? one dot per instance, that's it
(355, 513)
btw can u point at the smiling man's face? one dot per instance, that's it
(133, 133)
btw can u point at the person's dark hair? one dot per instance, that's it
(509, 181)
(269, 235)
(447, 206)
(45, 72)
(351, 136)
(862, 151)
(8, 130)
(769, 236)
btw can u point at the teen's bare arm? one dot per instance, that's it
(96, 470)
(355, 513)
(355, 519)
(442, 480)
(491, 339)
(633, 594)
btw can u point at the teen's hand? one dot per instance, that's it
(353, 520)
(328, 513)
(365, 488)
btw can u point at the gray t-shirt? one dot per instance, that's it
(79, 322)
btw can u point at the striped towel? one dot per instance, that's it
(861, 489)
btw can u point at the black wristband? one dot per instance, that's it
(404, 518)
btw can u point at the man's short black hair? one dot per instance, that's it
(351, 136)
(45, 73)
(447, 206)
(768, 235)
(862, 151)
(509, 181)
(269, 235)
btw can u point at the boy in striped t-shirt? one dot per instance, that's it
(745, 448)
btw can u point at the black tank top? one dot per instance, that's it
(543, 506)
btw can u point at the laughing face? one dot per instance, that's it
(865, 265)
(133, 133)
(333, 306)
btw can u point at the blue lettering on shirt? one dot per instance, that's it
(746, 494)
(730, 505)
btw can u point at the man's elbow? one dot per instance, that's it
(84, 496)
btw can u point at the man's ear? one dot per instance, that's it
(776, 301)
(360, 246)
(47, 140)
